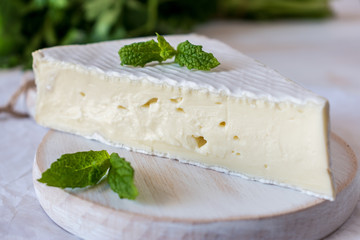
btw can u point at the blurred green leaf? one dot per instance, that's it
(27, 25)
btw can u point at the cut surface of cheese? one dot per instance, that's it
(241, 117)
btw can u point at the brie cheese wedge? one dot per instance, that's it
(241, 117)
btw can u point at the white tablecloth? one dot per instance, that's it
(323, 56)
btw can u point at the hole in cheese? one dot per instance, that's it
(151, 101)
(265, 166)
(200, 140)
(236, 137)
(82, 94)
(218, 103)
(236, 153)
(176, 100)
(179, 109)
(121, 107)
(222, 124)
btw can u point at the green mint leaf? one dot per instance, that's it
(79, 169)
(193, 57)
(141, 53)
(167, 51)
(121, 177)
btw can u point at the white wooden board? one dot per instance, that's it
(181, 201)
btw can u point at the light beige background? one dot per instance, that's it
(323, 56)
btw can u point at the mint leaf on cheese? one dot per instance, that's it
(79, 169)
(187, 54)
(141, 53)
(167, 51)
(121, 177)
(193, 57)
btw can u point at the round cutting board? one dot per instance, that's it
(181, 201)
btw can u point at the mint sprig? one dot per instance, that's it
(81, 169)
(187, 54)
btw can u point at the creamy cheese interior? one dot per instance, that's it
(276, 142)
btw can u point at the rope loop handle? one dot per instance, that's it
(10, 106)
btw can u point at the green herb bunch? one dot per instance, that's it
(28, 25)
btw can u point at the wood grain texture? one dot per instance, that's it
(181, 201)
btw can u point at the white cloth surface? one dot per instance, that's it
(323, 56)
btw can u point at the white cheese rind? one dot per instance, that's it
(274, 132)
(237, 75)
